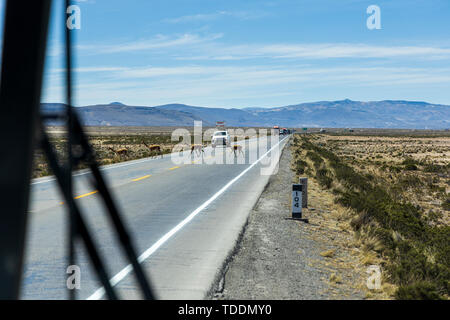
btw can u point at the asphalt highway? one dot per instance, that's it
(184, 219)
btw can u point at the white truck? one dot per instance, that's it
(220, 138)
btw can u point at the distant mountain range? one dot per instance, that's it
(330, 114)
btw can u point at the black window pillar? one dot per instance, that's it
(24, 44)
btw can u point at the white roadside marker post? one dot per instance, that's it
(297, 190)
(304, 183)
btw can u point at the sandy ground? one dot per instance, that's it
(279, 258)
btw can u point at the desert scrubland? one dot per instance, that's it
(392, 193)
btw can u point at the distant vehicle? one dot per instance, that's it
(220, 138)
(284, 131)
(322, 130)
(276, 127)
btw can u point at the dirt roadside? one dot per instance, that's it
(278, 258)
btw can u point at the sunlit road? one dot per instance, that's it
(184, 220)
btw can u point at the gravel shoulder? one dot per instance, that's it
(278, 258)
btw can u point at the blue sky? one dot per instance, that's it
(253, 53)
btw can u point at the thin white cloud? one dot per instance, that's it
(226, 80)
(260, 74)
(206, 17)
(150, 72)
(324, 51)
(90, 69)
(315, 52)
(158, 42)
(207, 47)
(195, 17)
(209, 85)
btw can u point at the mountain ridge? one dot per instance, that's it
(390, 114)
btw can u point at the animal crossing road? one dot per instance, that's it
(184, 218)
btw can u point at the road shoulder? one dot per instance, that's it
(278, 258)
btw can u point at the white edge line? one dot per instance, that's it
(98, 294)
(114, 166)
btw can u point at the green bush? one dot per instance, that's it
(419, 263)
(446, 204)
(324, 179)
(300, 166)
(411, 167)
(409, 162)
(394, 169)
(433, 168)
(315, 158)
(418, 291)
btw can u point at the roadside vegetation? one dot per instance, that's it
(397, 189)
(110, 149)
(119, 144)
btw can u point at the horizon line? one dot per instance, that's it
(118, 103)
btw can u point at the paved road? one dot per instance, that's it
(184, 219)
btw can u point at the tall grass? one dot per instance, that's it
(417, 252)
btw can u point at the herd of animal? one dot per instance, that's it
(197, 148)
(152, 148)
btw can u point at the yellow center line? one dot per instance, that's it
(86, 195)
(174, 168)
(83, 195)
(142, 178)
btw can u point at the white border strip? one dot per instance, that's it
(98, 294)
(113, 166)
